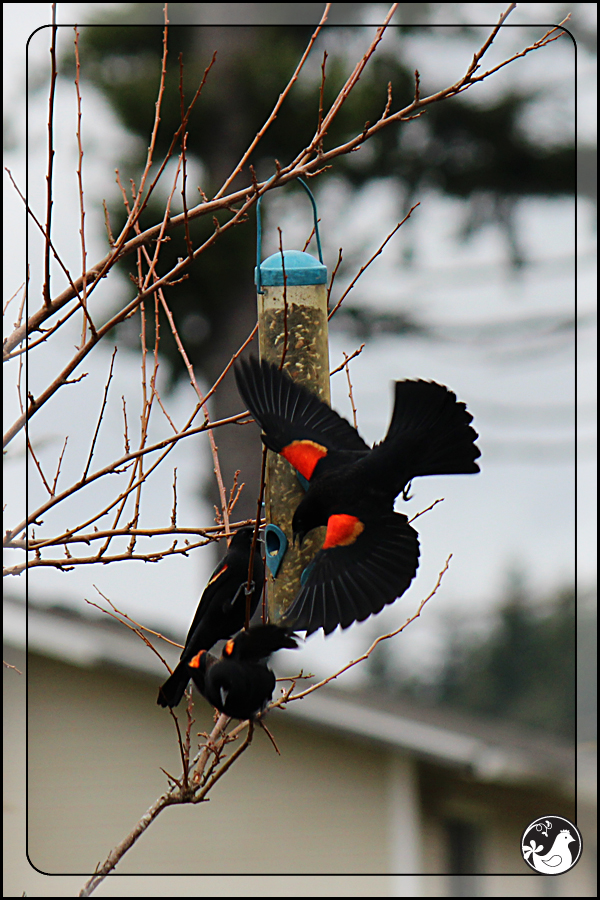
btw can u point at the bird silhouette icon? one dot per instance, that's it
(557, 860)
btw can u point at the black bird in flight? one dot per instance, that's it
(240, 683)
(371, 553)
(221, 610)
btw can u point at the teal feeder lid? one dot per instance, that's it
(300, 268)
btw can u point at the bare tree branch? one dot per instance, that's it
(306, 163)
(196, 789)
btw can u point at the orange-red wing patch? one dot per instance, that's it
(228, 648)
(217, 574)
(342, 530)
(304, 456)
(195, 662)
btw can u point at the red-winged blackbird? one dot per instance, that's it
(370, 554)
(240, 683)
(221, 610)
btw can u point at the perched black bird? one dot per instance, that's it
(371, 553)
(221, 610)
(240, 683)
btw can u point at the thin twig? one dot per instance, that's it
(277, 106)
(125, 429)
(38, 467)
(102, 408)
(542, 42)
(347, 368)
(10, 299)
(86, 317)
(109, 233)
(174, 510)
(186, 220)
(213, 445)
(383, 637)
(333, 274)
(8, 665)
(49, 175)
(368, 263)
(19, 377)
(347, 360)
(321, 94)
(261, 491)
(185, 756)
(423, 511)
(268, 733)
(133, 625)
(60, 459)
(285, 303)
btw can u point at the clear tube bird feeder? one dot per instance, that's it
(292, 325)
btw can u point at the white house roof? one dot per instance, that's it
(489, 751)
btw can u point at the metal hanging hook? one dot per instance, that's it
(259, 289)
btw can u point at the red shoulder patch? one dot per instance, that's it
(217, 574)
(342, 529)
(304, 456)
(194, 663)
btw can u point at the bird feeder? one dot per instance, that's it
(292, 326)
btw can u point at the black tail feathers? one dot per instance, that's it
(171, 692)
(433, 430)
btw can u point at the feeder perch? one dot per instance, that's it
(275, 547)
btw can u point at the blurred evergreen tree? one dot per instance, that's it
(522, 670)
